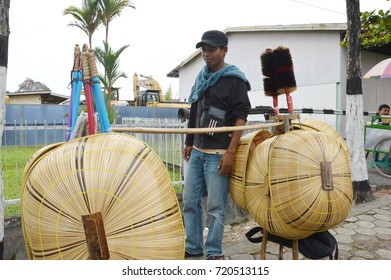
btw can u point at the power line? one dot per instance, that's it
(303, 3)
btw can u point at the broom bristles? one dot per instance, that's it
(267, 66)
(284, 74)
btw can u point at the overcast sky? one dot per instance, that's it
(160, 34)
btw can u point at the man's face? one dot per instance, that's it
(384, 112)
(214, 56)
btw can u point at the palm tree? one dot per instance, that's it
(4, 38)
(111, 9)
(87, 17)
(110, 60)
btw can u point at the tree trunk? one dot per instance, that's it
(4, 34)
(354, 106)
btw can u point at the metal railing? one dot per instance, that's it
(167, 146)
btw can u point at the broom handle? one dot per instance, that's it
(275, 104)
(75, 69)
(289, 103)
(88, 90)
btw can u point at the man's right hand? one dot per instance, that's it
(187, 152)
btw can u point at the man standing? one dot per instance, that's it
(218, 98)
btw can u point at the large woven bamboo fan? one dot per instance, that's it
(238, 177)
(299, 183)
(109, 191)
(37, 155)
(317, 125)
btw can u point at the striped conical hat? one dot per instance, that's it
(299, 183)
(115, 175)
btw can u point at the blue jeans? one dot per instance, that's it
(203, 175)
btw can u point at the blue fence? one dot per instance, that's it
(27, 125)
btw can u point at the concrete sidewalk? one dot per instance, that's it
(364, 235)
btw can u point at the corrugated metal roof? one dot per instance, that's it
(291, 27)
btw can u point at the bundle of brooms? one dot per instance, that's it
(104, 196)
(278, 75)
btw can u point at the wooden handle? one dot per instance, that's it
(327, 176)
(96, 236)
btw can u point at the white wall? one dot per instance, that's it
(315, 56)
(25, 99)
(319, 66)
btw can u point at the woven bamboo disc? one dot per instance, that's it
(317, 125)
(38, 154)
(238, 177)
(113, 174)
(284, 187)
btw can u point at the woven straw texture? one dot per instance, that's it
(284, 184)
(317, 125)
(237, 180)
(37, 155)
(114, 174)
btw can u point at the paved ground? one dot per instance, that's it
(365, 234)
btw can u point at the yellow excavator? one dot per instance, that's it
(147, 92)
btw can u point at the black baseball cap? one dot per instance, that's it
(214, 38)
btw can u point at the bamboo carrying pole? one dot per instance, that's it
(195, 130)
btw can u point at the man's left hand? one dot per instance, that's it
(226, 165)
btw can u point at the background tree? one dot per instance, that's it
(87, 17)
(354, 106)
(110, 60)
(111, 9)
(31, 85)
(168, 94)
(4, 36)
(375, 29)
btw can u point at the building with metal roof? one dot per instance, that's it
(318, 58)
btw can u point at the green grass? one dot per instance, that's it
(13, 161)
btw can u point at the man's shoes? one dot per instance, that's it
(190, 255)
(217, 258)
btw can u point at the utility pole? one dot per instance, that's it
(4, 35)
